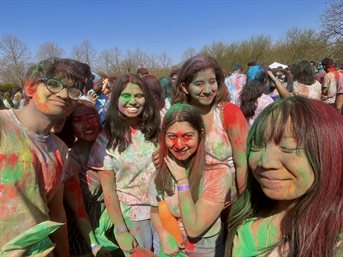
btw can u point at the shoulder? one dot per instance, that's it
(231, 114)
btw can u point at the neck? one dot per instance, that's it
(34, 120)
(204, 109)
(284, 206)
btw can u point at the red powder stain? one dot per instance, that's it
(72, 186)
(189, 247)
(8, 191)
(8, 160)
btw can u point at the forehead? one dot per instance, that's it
(83, 110)
(181, 127)
(274, 129)
(205, 74)
(131, 87)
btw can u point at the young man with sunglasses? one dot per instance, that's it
(32, 160)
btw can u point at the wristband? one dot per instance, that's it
(274, 80)
(94, 246)
(120, 229)
(183, 188)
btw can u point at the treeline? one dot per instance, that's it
(296, 44)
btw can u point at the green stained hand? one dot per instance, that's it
(169, 245)
(126, 241)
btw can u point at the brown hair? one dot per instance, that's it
(188, 72)
(182, 113)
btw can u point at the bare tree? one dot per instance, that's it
(48, 50)
(109, 62)
(164, 61)
(14, 59)
(134, 59)
(299, 44)
(188, 53)
(332, 21)
(84, 53)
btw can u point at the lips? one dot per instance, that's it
(132, 109)
(89, 131)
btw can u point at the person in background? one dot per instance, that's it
(190, 186)
(141, 72)
(7, 100)
(98, 97)
(173, 77)
(235, 82)
(331, 80)
(33, 161)
(304, 83)
(156, 92)
(293, 204)
(167, 90)
(254, 96)
(121, 156)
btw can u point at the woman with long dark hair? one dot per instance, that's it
(122, 157)
(254, 96)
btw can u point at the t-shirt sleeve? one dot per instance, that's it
(235, 123)
(216, 183)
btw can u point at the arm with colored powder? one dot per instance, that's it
(168, 243)
(74, 199)
(339, 102)
(57, 213)
(279, 87)
(108, 183)
(196, 217)
(237, 129)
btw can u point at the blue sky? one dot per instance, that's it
(153, 26)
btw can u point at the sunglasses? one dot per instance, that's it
(55, 86)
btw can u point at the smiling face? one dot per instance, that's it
(203, 89)
(57, 105)
(182, 140)
(282, 170)
(131, 101)
(86, 123)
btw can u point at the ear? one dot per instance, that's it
(30, 88)
(184, 88)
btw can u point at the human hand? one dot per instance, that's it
(92, 96)
(175, 169)
(169, 245)
(156, 159)
(126, 241)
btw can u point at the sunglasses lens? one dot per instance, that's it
(54, 85)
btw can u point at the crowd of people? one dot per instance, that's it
(191, 164)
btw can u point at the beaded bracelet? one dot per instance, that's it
(183, 188)
(120, 229)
